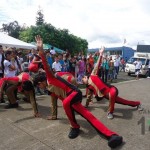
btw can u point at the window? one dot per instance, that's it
(133, 59)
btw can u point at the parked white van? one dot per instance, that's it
(144, 58)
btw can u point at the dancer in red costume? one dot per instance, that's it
(100, 89)
(35, 64)
(23, 83)
(65, 75)
(71, 98)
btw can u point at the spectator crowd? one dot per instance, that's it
(13, 62)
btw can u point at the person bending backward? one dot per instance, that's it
(71, 98)
(100, 89)
(65, 75)
(22, 82)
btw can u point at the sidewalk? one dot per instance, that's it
(19, 130)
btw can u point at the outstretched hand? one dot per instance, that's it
(101, 50)
(39, 43)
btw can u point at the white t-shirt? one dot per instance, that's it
(56, 66)
(7, 71)
(52, 52)
(7, 64)
(138, 64)
(20, 59)
(116, 62)
(14, 72)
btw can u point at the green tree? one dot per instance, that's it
(39, 18)
(59, 38)
(12, 28)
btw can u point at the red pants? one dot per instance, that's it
(114, 98)
(111, 93)
(72, 103)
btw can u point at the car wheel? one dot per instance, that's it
(129, 74)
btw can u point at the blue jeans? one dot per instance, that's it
(116, 71)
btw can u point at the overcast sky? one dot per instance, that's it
(100, 22)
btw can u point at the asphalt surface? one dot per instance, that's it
(19, 130)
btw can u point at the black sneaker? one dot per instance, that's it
(15, 105)
(115, 141)
(74, 133)
(98, 98)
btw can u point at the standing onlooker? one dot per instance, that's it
(111, 69)
(122, 62)
(76, 67)
(56, 66)
(52, 51)
(105, 65)
(16, 60)
(61, 61)
(91, 61)
(138, 66)
(30, 55)
(49, 58)
(20, 59)
(81, 72)
(72, 64)
(149, 70)
(66, 63)
(79, 56)
(1, 62)
(116, 66)
(9, 65)
(95, 56)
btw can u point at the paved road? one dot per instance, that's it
(122, 76)
(19, 130)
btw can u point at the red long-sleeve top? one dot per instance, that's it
(95, 83)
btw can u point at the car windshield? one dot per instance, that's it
(132, 60)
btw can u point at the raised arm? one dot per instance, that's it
(99, 61)
(47, 68)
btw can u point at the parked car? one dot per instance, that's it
(130, 66)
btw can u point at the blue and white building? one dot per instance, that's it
(124, 52)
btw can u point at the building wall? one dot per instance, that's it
(125, 52)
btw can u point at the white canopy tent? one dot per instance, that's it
(8, 41)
